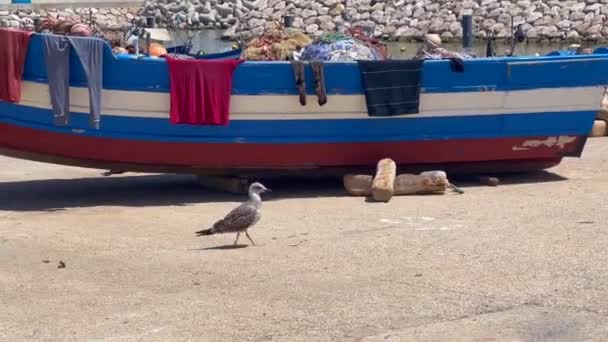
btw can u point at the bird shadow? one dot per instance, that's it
(220, 248)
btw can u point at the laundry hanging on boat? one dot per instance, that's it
(57, 60)
(57, 57)
(200, 90)
(392, 87)
(90, 54)
(14, 44)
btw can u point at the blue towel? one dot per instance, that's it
(392, 87)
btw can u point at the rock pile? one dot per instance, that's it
(104, 19)
(397, 19)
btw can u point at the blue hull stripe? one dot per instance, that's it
(312, 131)
(255, 78)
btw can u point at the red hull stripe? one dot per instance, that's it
(219, 155)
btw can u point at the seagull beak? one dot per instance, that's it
(267, 190)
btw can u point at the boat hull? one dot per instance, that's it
(458, 155)
(504, 114)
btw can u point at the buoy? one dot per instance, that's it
(157, 50)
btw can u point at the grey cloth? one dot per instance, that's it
(57, 59)
(90, 53)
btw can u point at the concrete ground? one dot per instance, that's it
(525, 261)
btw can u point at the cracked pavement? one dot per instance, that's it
(524, 261)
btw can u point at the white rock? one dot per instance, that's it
(338, 10)
(532, 33)
(308, 13)
(312, 28)
(572, 35)
(595, 29)
(279, 6)
(455, 27)
(593, 8)
(564, 25)
(298, 22)
(432, 7)
(408, 12)
(533, 17)
(267, 12)
(497, 27)
(575, 16)
(328, 26)
(310, 20)
(406, 32)
(377, 16)
(524, 4)
(324, 19)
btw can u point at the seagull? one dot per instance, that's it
(241, 218)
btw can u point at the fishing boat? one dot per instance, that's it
(496, 114)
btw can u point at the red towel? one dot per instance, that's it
(200, 90)
(13, 49)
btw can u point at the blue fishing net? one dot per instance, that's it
(343, 50)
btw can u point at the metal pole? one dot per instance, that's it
(467, 30)
(288, 21)
(148, 44)
(150, 22)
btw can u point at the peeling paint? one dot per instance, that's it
(559, 142)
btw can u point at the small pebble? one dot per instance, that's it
(61, 264)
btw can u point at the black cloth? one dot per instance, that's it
(392, 87)
(456, 64)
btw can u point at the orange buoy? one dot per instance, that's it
(157, 50)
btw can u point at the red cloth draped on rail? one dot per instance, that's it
(200, 90)
(13, 49)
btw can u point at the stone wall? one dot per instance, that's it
(105, 19)
(396, 19)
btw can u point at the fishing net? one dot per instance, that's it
(276, 44)
(344, 50)
(343, 47)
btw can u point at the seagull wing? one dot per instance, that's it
(238, 219)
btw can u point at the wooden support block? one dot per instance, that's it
(233, 185)
(434, 182)
(599, 129)
(358, 185)
(489, 181)
(602, 114)
(384, 182)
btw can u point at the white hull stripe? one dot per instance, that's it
(286, 107)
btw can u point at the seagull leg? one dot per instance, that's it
(249, 237)
(237, 238)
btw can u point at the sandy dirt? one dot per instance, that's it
(524, 261)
